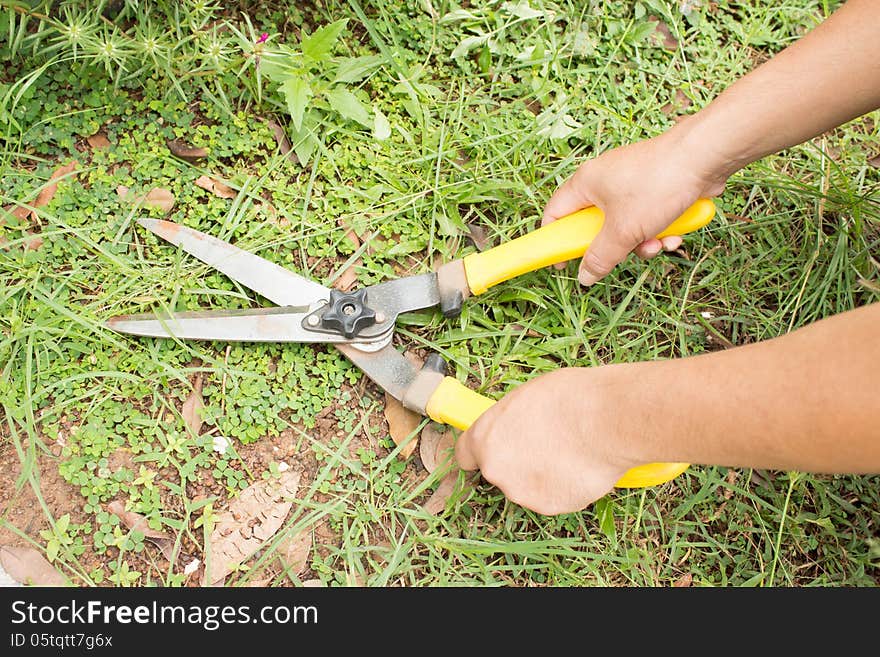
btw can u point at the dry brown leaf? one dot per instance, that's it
(662, 29)
(48, 192)
(27, 566)
(33, 242)
(519, 328)
(134, 520)
(348, 277)
(161, 198)
(433, 446)
(251, 520)
(478, 236)
(17, 211)
(534, 105)
(137, 522)
(216, 187)
(875, 161)
(98, 140)
(437, 502)
(283, 142)
(428, 442)
(186, 152)
(402, 424)
(158, 197)
(350, 235)
(684, 581)
(258, 583)
(294, 552)
(192, 407)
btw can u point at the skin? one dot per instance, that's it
(561, 441)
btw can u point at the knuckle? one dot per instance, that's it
(597, 263)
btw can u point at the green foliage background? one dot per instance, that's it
(411, 125)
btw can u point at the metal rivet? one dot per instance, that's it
(312, 320)
(380, 317)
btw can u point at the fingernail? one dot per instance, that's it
(586, 278)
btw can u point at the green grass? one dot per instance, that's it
(482, 139)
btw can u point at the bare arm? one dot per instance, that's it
(826, 78)
(806, 401)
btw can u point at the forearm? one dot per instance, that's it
(826, 78)
(806, 401)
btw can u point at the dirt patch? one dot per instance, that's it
(292, 448)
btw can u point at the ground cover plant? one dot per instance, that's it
(357, 141)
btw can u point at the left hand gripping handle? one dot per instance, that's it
(457, 405)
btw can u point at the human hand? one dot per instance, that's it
(553, 445)
(641, 188)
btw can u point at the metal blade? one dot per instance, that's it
(387, 367)
(403, 295)
(251, 325)
(272, 281)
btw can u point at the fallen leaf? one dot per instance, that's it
(684, 581)
(875, 161)
(348, 277)
(186, 152)
(294, 552)
(33, 242)
(519, 328)
(27, 566)
(137, 522)
(98, 141)
(534, 106)
(428, 442)
(478, 236)
(402, 424)
(251, 520)
(18, 211)
(216, 187)
(258, 583)
(662, 29)
(349, 233)
(134, 520)
(679, 104)
(158, 197)
(48, 192)
(731, 481)
(437, 502)
(283, 142)
(433, 444)
(193, 406)
(272, 216)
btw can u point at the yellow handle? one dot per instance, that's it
(457, 405)
(564, 239)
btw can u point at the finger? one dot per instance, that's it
(608, 249)
(648, 249)
(671, 242)
(570, 197)
(464, 454)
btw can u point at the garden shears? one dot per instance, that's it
(361, 323)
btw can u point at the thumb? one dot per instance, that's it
(608, 249)
(464, 453)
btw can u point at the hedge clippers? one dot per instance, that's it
(361, 323)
